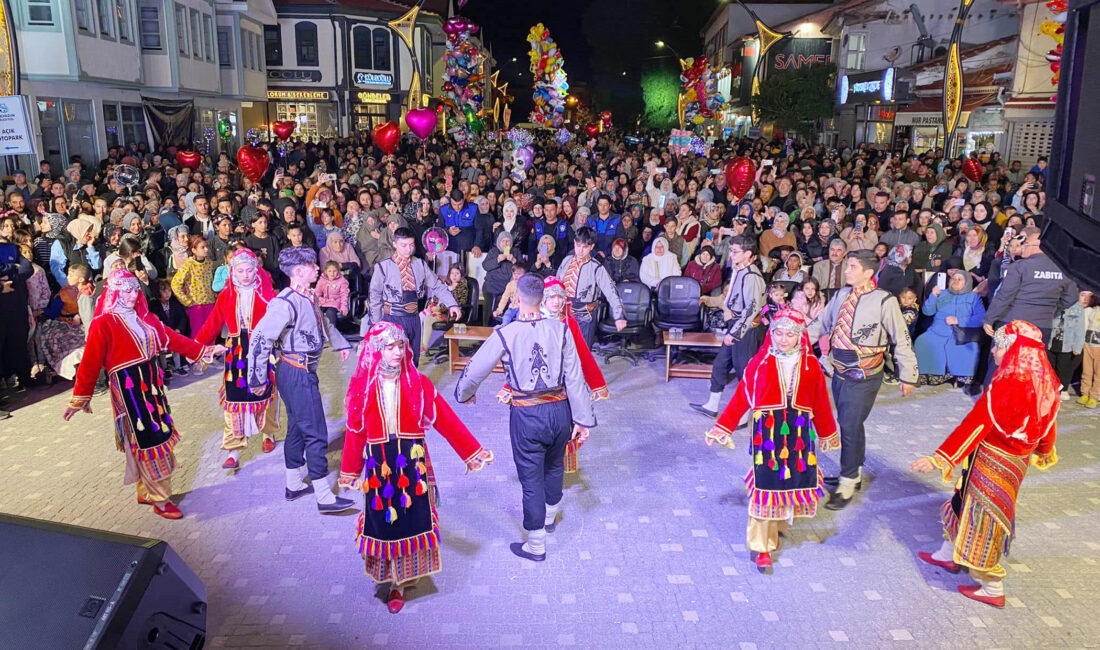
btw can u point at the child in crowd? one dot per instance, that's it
(142, 274)
(221, 274)
(910, 311)
(61, 331)
(508, 305)
(193, 283)
(1090, 370)
(332, 292)
(170, 312)
(777, 300)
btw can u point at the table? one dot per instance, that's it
(455, 360)
(689, 340)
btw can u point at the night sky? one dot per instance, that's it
(600, 39)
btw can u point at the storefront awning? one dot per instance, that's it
(928, 111)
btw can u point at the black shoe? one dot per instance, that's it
(834, 482)
(837, 502)
(705, 411)
(517, 549)
(341, 504)
(4, 415)
(295, 494)
(182, 371)
(552, 526)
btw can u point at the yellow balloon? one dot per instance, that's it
(698, 119)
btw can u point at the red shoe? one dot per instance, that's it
(143, 501)
(231, 463)
(170, 511)
(949, 566)
(970, 591)
(763, 561)
(269, 445)
(396, 602)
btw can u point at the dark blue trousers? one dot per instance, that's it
(854, 400)
(306, 432)
(539, 435)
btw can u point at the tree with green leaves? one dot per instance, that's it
(795, 100)
(661, 94)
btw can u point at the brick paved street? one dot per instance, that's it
(650, 552)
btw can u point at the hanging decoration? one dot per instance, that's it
(972, 169)
(225, 129)
(462, 87)
(520, 137)
(699, 89)
(551, 84)
(564, 135)
(208, 135)
(605, 121)
(1055, 27)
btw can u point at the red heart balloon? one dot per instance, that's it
(386, 135)
(253, 162)
(592, 129)
(740, 175)
(283, 129)
(972, 169)
(188, 159)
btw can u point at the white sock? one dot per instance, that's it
(713, 401)
(945, 553)
(991, 588)
(536, 542)
(322, 489)
(294, 480)
(552, 513)
(235, 454)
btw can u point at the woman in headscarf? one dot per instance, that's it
(985, 217)
(792, 270)
(544, 266)
(940, 355)
(125, 339)
(1012, 425)
(777, 235)
(784, 387)
(79, 244)
(179, 241)
(512, 222)
(620, 266)
(390, 408)
(933, 250)
(705, 270)
(659, 264)
(896, 273)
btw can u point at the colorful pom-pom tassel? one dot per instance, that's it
(801, 465)
(373, 482)
(129, 383)
(139, 426)
(400, 462)
(421, 488)
(417, 451)
(800, 420)
(769, 445)
(811, 459)
(240, 364)
(799, 444)
(387, 492)
(772, 465)
(785, 430)
(784, 453)
(144, 386)
(758, 440)
(769, 421)
(406, 500)
(403, 482)
(391, 515)
(759, 458)
(376, 504)
(783, 472)
(813, 435)
(228, 377)
(371, 463)
(756, 415)
(386, 471)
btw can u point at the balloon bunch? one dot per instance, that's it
(605, 121)
(551, 86)
(564, 135)
(699, 88)
(1056, 29)
(520, 137)
(462, 87)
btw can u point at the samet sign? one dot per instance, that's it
(374, 79)
(866, 87)
(797, 53)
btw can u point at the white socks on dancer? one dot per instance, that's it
(552, 513)
(990, 588)
(235, 454)
(536, 542)
(322, 489)
(713, 402)
(846, 487)
(945, 553)
(295, 478)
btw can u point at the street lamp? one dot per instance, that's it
(661, 44)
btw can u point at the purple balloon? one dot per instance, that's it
(524, 156)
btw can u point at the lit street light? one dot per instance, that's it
(661, 44)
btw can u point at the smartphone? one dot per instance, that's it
(715, 172)
(767, 163)
(858, 227)
(662, 170)
(328, 178)
(279, 171)
(709, 235)
(544, 250)
(941, 281)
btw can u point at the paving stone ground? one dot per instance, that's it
(650, 552)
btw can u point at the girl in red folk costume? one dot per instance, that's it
(1012, 423)
(125, 339)
(242, 303)
(555, 304)
(792, 420)
(390, 407)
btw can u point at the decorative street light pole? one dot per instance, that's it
(953, 80)
(768, 37)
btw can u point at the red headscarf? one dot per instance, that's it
(263, 285)
(1025, 362)
(117, 281)
(551, 284)
(417, 403)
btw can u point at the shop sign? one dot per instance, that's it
(867, 87)
(379, 79)
(798, 53)
(15, 135)
(366, 97)
(305, 95)
(886, 115)
(294, 75)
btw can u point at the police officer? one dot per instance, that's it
(744, 333)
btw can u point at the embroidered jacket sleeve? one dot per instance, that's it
(607, 288)
(735, 410)
(262, 340)
(355, 438)
(479, 367)
(977, 425)
(93, 360)
(580, 398)
(435, 287)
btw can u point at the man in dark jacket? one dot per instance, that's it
(620, 266)
(1032, 290)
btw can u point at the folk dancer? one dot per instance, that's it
(125, 339)
(792, 421)
(1014, 421)
(294, 328)
(551, 405)
(243, 302)
(400, 284)
(743, 302)
(390, 408)
(862, 322)
(582, 277)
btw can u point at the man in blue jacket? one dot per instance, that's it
(605, 223)
(459, 218)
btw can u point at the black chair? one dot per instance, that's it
(638, 313)
(677, 307)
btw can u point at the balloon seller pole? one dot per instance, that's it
(953, 81)
(767, 37)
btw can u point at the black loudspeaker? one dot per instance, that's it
(1071, 229)
(70, 587)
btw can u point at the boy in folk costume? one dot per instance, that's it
(792, 420)
(125, 339)
(390, 408)
(1013, 423)
(293, 328)
(242, 303)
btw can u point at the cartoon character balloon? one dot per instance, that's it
(551, 86)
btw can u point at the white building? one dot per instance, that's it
(88, 66)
